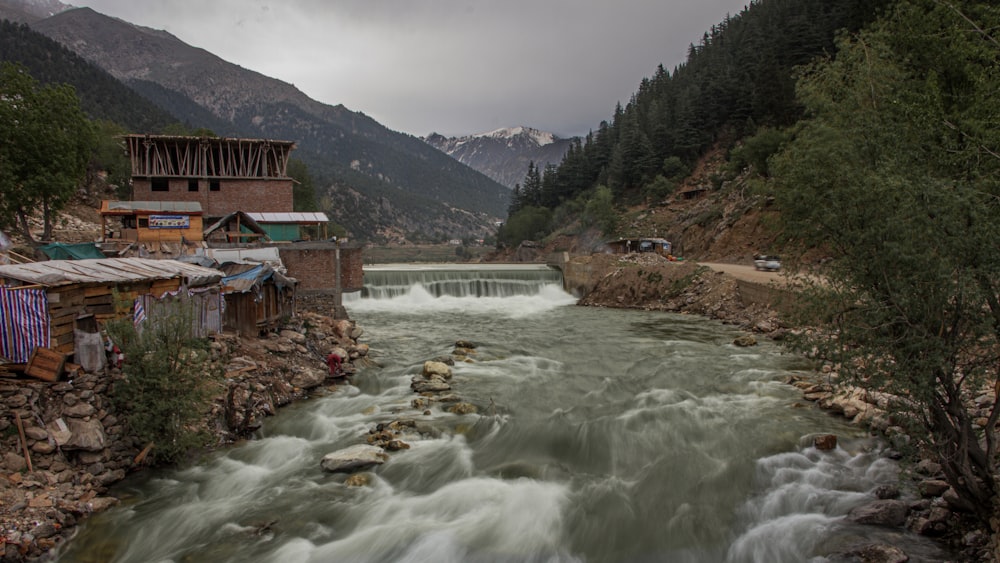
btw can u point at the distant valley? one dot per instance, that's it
(382, 185)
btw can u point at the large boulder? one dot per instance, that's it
(354, 458)
(279, 345)
(825, 442)
(307, 378)
(881, 553)
(87, 435)
(440, 369)
(79, 410)
(890, 513)
(433, 385)
(343, 328)
(293, 336)
(932, 487)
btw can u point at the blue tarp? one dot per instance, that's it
(25, 317)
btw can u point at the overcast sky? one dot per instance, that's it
(454, 67)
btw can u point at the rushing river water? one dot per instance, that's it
(602, 435)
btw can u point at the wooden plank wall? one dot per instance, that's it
(241, 314)
(66, 303)
(193, 233)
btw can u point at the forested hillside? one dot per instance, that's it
(738, 79)
(868, 131)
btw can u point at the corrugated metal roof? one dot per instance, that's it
(238, 285)
(160, 206)
(108, 270)
(297, 217)
(241, 278)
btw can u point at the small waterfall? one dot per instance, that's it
(390, 282)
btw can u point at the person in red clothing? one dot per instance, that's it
(333, 362)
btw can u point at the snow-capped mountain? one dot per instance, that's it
(504, 154)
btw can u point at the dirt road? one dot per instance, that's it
(747, 272)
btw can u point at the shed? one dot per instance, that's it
(627, 245)
(288, 226)
(58, 295)
(258, 298)
(152, 221)
(236, 227)
(658, 245)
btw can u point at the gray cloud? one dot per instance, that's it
(451, 66)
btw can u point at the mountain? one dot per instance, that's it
(27, 11)
(101, 95)
(385, 185)
(504, 154)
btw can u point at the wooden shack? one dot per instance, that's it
(64, 295)
(235, 229)
(152, 221)
(628, 245)
(258, 298)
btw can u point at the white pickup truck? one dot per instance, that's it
(767, 263)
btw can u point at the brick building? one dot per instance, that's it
(222, 174)
(314, 266)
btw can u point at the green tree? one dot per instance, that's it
(169, 382)
(600, 210)
(897, 175)
(304, 188)
(531, 193)
(756, 150)
(516, 200)
(111, 158)
(658, 190)
(45, 144)
(530, 223)
(675, 169)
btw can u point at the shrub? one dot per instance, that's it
(169, 379)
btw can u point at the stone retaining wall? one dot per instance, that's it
(781, 301)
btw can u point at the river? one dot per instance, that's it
(601, 435)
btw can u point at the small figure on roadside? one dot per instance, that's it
(333, 362)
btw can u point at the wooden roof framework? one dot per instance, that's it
(207, 157)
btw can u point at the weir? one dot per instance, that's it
(441, 280)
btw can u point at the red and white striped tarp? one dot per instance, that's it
(24, 323)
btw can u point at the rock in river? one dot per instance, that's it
(353, 458)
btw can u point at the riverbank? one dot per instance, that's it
(65, 445)
(651, 282)
(264, 374)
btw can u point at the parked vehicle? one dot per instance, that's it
(767, 263)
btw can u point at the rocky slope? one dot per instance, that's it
(64, 443)
(923, 502)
